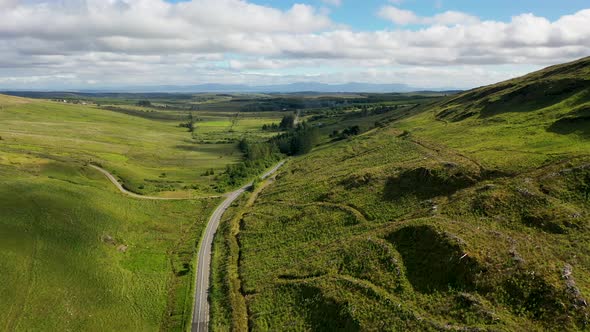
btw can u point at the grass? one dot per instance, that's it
(456, 215)
(76, 255)
(228, 306)
(515, 142)
(514, 125)
(149, 156)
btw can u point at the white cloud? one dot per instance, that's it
(398, 16)
(156, 42)
(406, 17)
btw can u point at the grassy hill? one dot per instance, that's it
(471, 213)
(150, 156)
(76, 254)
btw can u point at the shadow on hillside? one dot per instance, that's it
(321, 313)
(565, 126)
(434, 261)
(425, 183)
(534, 96)
(577, 121)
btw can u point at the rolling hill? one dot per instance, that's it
(352, 87)
(468, 214)
(78, 255)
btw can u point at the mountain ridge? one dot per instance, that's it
(351, 87)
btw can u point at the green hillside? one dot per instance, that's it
(468, 214)
(149, 156)
(75, 253)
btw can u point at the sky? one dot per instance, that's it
(427, 44)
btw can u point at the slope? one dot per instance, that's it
(472, 214)
(149, 156)
(75, 254)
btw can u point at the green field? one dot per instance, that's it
(470, 213)
(75, 253)
(149, 156)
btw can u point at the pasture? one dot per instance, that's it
(150, 156)
(75, 253)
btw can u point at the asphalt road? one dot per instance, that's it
(201, 306)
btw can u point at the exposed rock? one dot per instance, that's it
(572, 289)
(525, 192)
(487, 187)
(108, 239)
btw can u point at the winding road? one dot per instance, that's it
(122, 189)
(201, 306)
(200, 321)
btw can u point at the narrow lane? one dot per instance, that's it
(122, 189)
(200, 321)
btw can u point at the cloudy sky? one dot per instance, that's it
(58, 44)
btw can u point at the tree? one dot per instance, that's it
(190, 123)
(144, 103)
(288, 122)
(297, 142)
(348, 132)
(352, 131)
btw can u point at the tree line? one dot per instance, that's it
(259, 155)
(287, 123)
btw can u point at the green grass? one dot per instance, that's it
(442, 220)
(149, 156)
(514, 125)
(77, 255)
(510, 141)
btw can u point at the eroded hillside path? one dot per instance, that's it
(200, 322)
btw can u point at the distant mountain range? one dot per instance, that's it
(284, 88)
(242, 88)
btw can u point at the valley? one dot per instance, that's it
(109, 247)
(414, 211)
(294, 165)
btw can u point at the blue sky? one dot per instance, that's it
(360, 14)
(62, 44)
